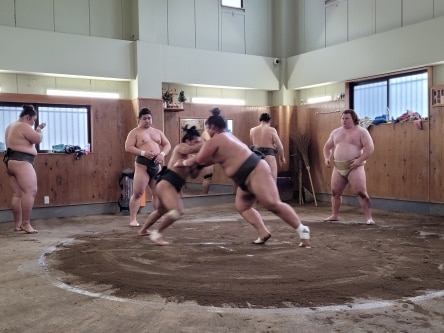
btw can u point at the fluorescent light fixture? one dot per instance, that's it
(76, 93)
(319, 99)
(217, 101)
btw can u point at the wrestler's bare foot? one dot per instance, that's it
(18, 228)
(28, 229)
(157, 238)
(134, 224)
(144, 232)
(305, 243)
(331, 219)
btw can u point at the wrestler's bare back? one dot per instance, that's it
(225, 149)
(182, 151)
(22, 137)
(263, 136)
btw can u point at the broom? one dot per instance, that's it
(301, 187)
(302, 145)
(298, 161)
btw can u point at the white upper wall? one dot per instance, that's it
(323, 25)
(50, 53)
(196, 42)
(99, 18)
(203, 24)
(349, 39)
(162, 63)
(396, 50)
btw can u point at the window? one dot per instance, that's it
(233, 3)
(399, 93)
(67, 124)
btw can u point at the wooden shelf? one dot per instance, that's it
(173, 109)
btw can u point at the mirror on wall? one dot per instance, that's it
(200, 125)
(198, 122)
(219, 184)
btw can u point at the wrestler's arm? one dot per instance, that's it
(185, 149)
(368, 146)
(165, 147)
(278, 144)
(203, 157)
(165, 143)
(251, 136)
(33, 136)
(328, 148)
(130, 144)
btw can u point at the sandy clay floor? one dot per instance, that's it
(95, 274)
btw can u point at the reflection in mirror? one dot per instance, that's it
(205, 184)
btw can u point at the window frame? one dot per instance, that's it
(242, 5)
(51, 105)
(386, 78)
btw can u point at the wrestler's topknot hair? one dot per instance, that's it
(216, 119)
(190, 133)
(215, 111)
(265, 117)
(28, 110)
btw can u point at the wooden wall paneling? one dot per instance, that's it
(126, 122)
(323, 122)
(378, 166)
(406, 165)
(281, 120)
(135, 111)
(5, 189)
(399, 167)
(109, 150)
(243, 120)
(436, 154)
(295, 125)
(397, 170)
(172, 123)
(92, 178)
(415, 160)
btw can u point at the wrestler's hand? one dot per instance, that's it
(327, 162)
(180, 163)
(41, 126)
(149, 155)
(354, 164)
(159, 158)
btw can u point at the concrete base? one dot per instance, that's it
(112, 208)
(426, 208)
(202, 200)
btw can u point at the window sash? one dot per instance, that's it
(233, 3)
(67, 124)
(399, 93)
